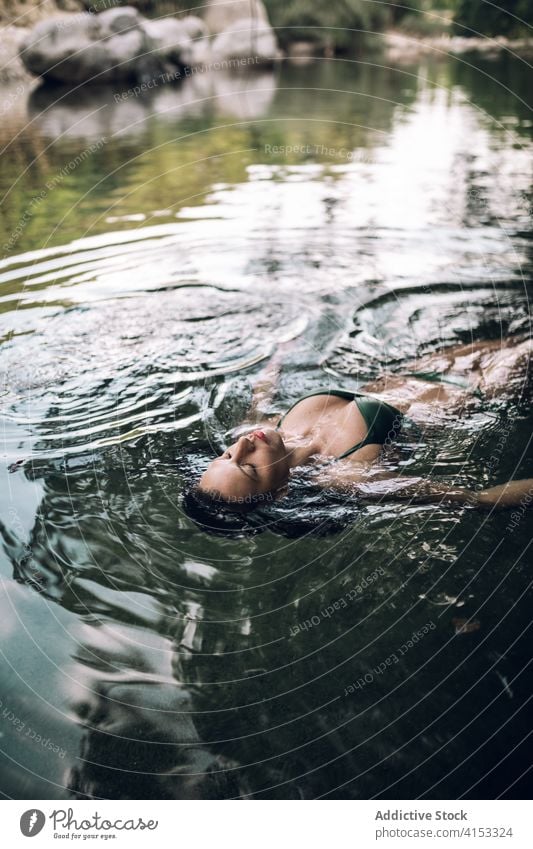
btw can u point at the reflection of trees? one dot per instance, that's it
(93, 112)
(190, 132)
(500, 86)
(366, 96)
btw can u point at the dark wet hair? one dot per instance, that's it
(214, 513)
(304, 510)
(234, 503)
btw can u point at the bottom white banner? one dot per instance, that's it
(262, 824)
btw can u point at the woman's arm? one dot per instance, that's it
(266, 383)
(264, 388)
(511, 494)
(380, 485)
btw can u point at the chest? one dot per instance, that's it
(334, 422)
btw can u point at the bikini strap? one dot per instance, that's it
(339, 393)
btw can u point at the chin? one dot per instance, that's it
(274, 437)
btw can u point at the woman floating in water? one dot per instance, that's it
(343, 434)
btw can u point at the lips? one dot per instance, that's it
(260, 435)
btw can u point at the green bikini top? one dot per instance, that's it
(382, 420)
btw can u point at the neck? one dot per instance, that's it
(300, 450)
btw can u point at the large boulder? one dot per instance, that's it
(246, 42)
(113, 46)
(194, 27)
(118, 21)
(169, 38)
(179, 41)
(89, 48)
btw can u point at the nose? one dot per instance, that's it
(245, 445)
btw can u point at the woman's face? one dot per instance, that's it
(256, 464)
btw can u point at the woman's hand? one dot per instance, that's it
(426, 491)
(511, 494)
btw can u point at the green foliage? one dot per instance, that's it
(336, 24)
(429, 19)
(509, 17)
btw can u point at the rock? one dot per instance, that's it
(26, 13)
(169, 39)
(11, 68)
(246, 40)
(119, 44)
(115, 45)
(302, 52)
(89, 48)
(181, 41)
(194, 27)
(199, 53)
(219, 15)
(117, 21)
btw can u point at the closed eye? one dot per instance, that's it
(227, 456)
(245, 466)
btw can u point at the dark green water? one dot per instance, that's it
(157, 250)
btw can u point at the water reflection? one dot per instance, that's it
(93, 112)
(206, 684)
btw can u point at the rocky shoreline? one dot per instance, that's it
(398, 46)
(70, 44)
(401, 46)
